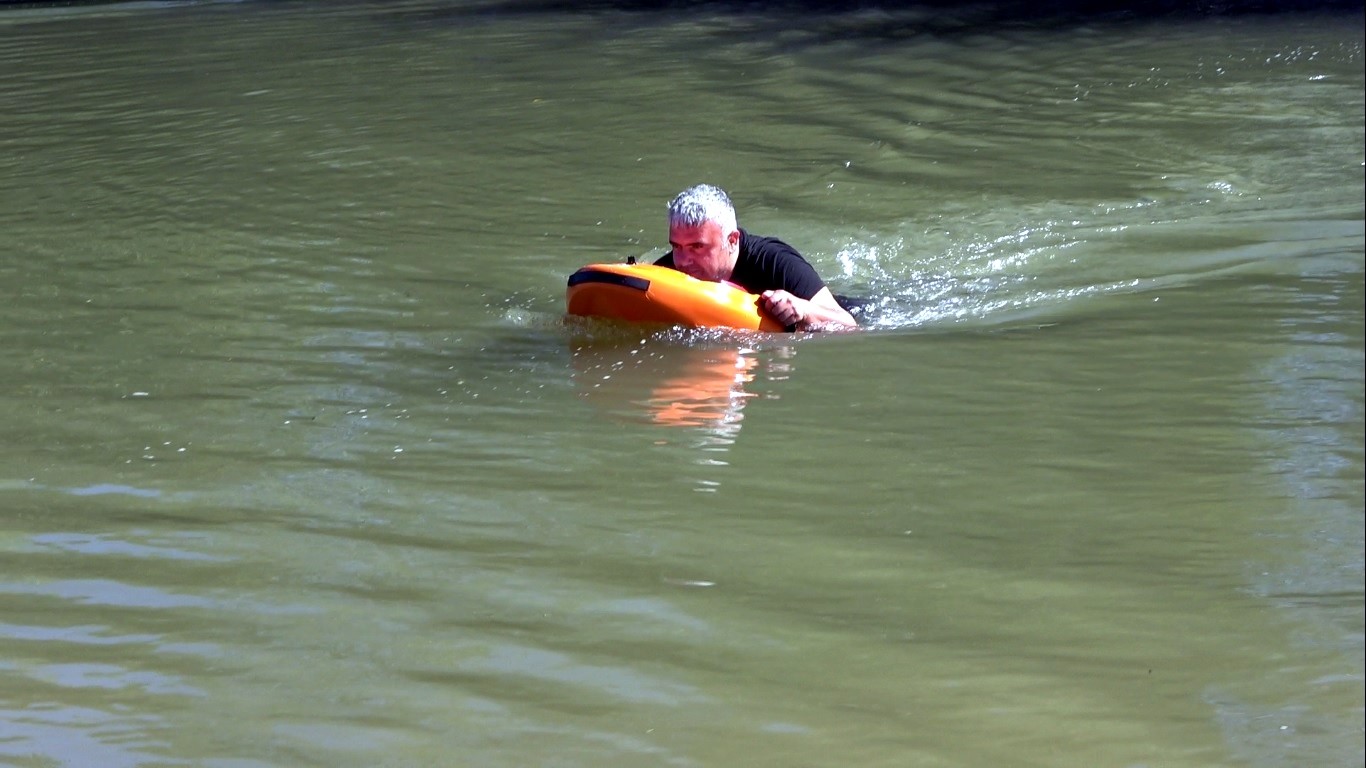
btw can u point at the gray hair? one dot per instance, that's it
(697, 205)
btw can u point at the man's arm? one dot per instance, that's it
(820, 313)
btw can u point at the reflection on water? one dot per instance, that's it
(696, 381)
(709, 393)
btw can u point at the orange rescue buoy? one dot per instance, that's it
(646, 293)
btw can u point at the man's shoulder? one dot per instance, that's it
(762, 245)
(768, 263)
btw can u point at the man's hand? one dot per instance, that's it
(784, 307)
(822, 312)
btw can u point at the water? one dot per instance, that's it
(303, 465)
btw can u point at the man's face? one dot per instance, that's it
(704, 251)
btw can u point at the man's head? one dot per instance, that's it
(703, 233)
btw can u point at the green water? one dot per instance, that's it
(302, 464)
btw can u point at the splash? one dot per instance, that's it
(1035, 263)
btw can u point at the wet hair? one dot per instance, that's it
(697, 205)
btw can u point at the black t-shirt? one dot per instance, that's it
(768, 264)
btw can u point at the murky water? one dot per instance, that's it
(303, 466)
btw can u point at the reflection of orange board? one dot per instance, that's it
(645, 293)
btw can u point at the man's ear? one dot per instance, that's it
(733, 239)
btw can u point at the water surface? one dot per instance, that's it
(303, 465)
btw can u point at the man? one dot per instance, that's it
(707, 244)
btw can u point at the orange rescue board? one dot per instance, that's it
(645, 293)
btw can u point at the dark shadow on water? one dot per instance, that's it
(884, 17)
(888, 18)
